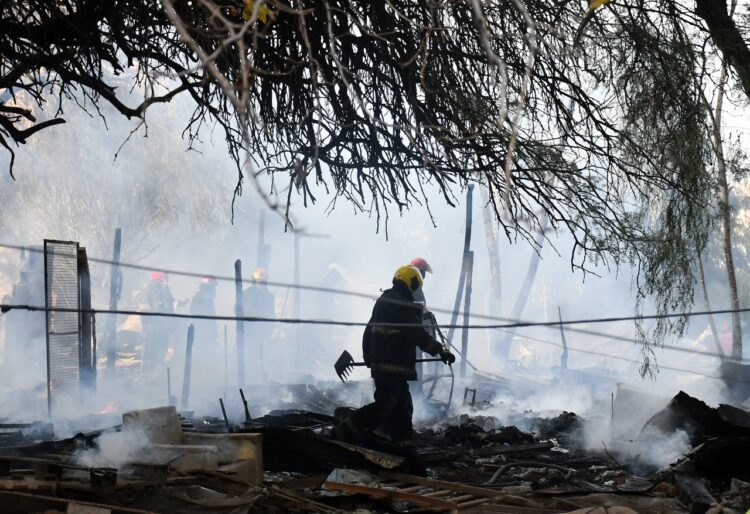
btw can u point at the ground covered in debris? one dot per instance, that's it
(286, 461)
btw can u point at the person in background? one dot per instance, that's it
(25, 331)
(428, 318)
(258, 302)
(156, 297)
(317, 345)
(203, 303)
(424, 267)
(5, 300)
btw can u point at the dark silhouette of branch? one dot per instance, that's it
(726, 36)
(371, 100)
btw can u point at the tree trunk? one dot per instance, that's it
(528, 282)
(727, 37)
(494, 303)
(707, 303)
(726, 218)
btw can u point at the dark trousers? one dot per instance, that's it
(395, 409)
(389, 415)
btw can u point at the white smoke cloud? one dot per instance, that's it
(173, 207)
(659, 449)
(115, 449)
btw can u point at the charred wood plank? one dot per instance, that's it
(516, 448)
(389, 494)
(442, 484)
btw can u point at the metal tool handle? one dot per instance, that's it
(437, 359)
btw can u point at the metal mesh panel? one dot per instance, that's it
(63, 336)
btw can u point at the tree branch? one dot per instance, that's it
(726, 36)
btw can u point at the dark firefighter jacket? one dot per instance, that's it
(389, 352)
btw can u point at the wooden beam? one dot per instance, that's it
(15, 502)
(441, 484)
(390, 494)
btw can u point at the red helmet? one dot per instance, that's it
(158, 275)
(421, 265)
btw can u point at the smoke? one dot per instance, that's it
(115, 449)
(664, 449)
(174, 208)
(657, 449)
(514, 407)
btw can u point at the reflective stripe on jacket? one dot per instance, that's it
(389, 351)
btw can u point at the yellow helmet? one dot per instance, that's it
(410, 276)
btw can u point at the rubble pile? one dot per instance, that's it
(470, 431)
(287, 461)
(716, 467)
(565, 426)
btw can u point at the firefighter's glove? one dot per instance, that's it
(447, 357)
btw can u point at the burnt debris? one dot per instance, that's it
(158, 460)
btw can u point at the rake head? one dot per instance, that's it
(344, 365)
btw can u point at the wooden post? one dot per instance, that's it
(224, 413)
(464, 262)
(564, 357)
(87, 354)
(240, 326)
(226, 360)
(263, 261)
(491, 228)
(188, 367)
(115, 287)
(528, 282)
(467, 309)
(169, 386)
(264, 249)
(296, 303)
(244, 404)
(300, 353)
(47, 264)
(93, 344)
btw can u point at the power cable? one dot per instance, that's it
(4, 308)
(511, 323)
(619, 357)
(309, 321)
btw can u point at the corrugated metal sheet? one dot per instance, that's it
(63, 328)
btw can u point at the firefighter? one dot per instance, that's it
(24, 330)
(389, 352)
(156, 297)
(258, 301)
(424, 267)
(429, 321)
(204, 303)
